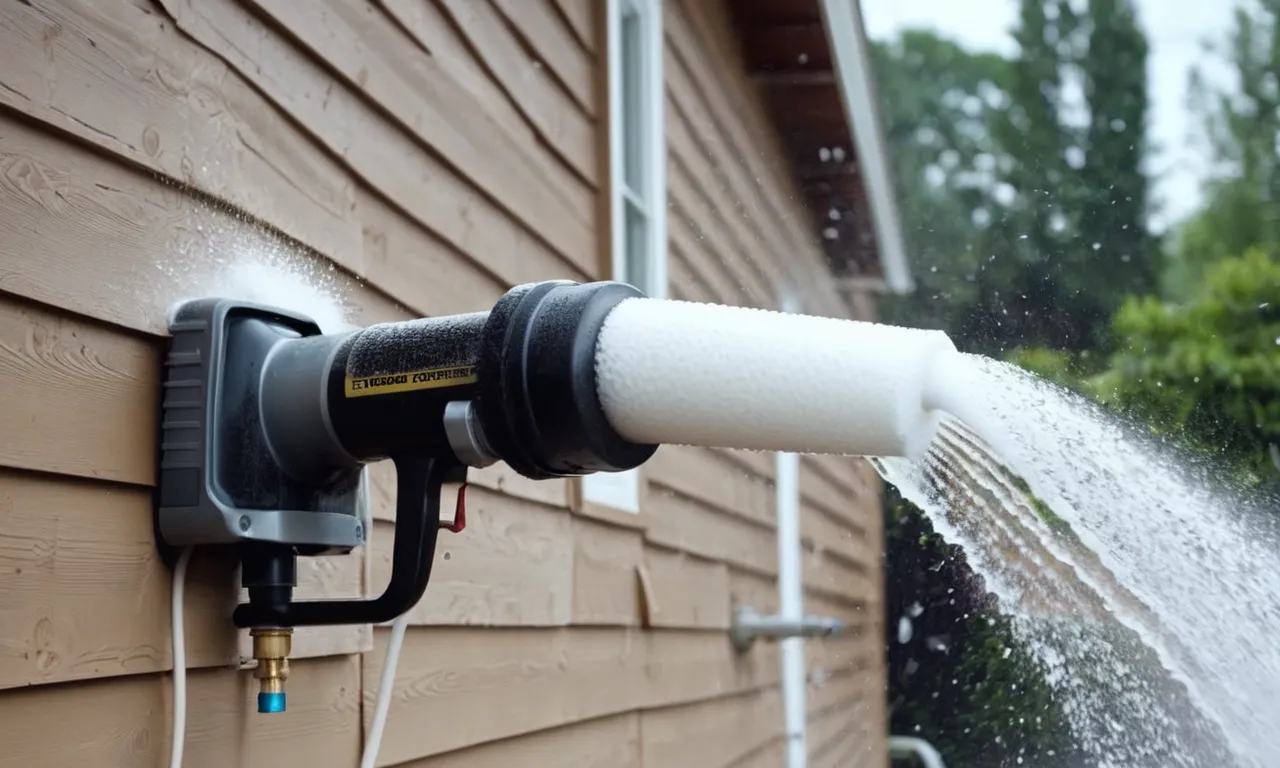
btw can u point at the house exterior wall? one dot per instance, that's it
(422, 156)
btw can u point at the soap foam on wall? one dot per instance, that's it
(232, 256)
(293, 286)
(272, 279)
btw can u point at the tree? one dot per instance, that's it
(1242, 130)
(1022, 284)
(1233, 220)
(1076, 130)
(1204, 373)
(1208, 370)
(1113, 180)
(938, 107)
(1202, 366)
(1028, 224)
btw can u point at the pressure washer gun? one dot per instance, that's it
(266, 422)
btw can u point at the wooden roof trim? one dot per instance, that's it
(851, 62)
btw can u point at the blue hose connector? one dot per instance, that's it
(271, 702)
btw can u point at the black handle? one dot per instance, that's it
(419, 480)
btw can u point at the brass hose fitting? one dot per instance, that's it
(271, 649)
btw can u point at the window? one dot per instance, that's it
(637, 182)
(637, 145)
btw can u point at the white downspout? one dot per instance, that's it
(791, 606)
(791, 598)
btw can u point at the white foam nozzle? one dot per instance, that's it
(707, 374)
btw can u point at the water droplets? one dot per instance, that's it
(830, 155)
(905, 630)
(1134, 583)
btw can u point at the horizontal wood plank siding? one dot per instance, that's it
(526, 680)
(198, 124)
(724, 109)
(606, 742)
(125, 721)
(371, 161)
(711, 733)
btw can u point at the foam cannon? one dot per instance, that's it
(266, 421)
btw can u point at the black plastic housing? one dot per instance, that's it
(538, 403)
(218, 480)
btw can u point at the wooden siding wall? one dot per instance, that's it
(422, 156)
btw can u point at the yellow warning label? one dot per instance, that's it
(410, 381)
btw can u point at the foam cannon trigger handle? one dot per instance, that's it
(421, 482)
(453, 496)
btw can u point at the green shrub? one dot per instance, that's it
(1207, 370)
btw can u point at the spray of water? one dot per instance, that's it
(1148, 590)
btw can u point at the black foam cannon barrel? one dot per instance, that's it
(527, 367)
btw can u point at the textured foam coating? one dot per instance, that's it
(707, 374)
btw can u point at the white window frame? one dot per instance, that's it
(645, 195)
(647, 137)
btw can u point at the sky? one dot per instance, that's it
(1175, 29)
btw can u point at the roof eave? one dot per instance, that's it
(851, 60)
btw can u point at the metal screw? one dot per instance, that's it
(245, 522)
(359, 532)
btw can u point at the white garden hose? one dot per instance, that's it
(386, 686)
(179, 737)
(387, 680)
